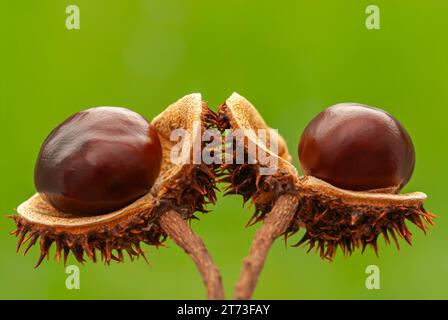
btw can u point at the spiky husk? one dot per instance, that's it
(329, 224)
(186, 196)
(109, 243)
(186, 189)
(262, 190)
(191, 191)
(245, 179)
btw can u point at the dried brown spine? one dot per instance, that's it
(334, 217)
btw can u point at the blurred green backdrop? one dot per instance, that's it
(290, 58)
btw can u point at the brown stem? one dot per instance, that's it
(275, 224)
(180, 232)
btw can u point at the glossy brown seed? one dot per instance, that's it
(98, 160)
(356, 147)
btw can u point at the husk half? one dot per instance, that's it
(186, 188)
(332, 217)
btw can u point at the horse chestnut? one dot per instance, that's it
(363, 153)
(357, 147)
(102, 159)
(98, 160)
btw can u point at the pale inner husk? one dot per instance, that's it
(242, 115)
(347, 197)
(37, 210)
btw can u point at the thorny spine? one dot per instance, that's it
(329, 224)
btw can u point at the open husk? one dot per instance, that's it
(184, 188)
(331, 216)
(286, 202)
(245, 179)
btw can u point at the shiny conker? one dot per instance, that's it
(358, 148)
(97, 161)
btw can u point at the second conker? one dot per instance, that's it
(355, 159)
(357, 147)
(98, 160)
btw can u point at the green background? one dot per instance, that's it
(292, 59)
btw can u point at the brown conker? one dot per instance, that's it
(97, 161)
(357, 147)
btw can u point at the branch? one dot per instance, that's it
(180, 232)
(275, 224)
